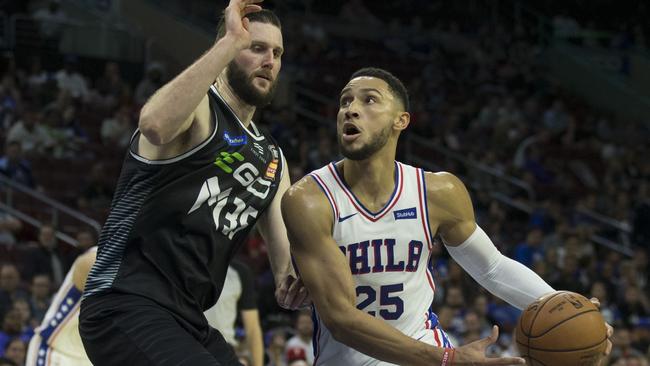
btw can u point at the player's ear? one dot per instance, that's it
(402, 121)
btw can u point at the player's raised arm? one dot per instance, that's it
(171, 110)
(473, 250)
(326, 274)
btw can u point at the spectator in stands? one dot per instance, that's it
(110, 87)
(41, 289)
(15, 167)
(117, 130)
(9, 287)
(473, 329)
(275, 348)
(455, 301)
(25, 312)
(30, 132)
(16, 350)
(65, 131)
(297, 357)
(13, 327)
(622, 344)
(47, 257)
(530, 251)
(71, 80)
(9, 227)
(153, 81)
(635, 305)
(303, 339)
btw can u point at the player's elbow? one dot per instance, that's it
(340, 323)
(150, 127)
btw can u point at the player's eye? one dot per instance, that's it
(371, 100)
(345, 102)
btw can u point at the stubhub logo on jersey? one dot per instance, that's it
(405, 214)
(235, 140)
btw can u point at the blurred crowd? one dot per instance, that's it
(477, 88)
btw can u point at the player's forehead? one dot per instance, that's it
(266, 33)
(367, 83)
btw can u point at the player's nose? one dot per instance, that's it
(268, 60)
(352, 111)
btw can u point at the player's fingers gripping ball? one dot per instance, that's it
(561, 329)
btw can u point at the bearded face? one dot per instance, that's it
(242, 85)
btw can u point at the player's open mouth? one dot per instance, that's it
(350, 132)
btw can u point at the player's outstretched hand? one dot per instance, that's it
(610, 329)
(236, 24)
(292, 293)
(473, 354)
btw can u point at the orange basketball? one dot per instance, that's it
(561, 329)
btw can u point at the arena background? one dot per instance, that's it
(542, 108)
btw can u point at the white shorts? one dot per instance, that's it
(40, 354)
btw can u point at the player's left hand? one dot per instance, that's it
(610, 330)
(291, 293)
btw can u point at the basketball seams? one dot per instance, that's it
(567, 350)
(532, 322)
(562, 322)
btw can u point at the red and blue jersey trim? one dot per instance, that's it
(372, 216)
(424, 207)
(328, 194)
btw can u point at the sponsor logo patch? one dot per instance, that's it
(271, 169)
(235, 140)
(405, 214)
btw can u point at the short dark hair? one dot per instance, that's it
(396, 86)
(263, 16)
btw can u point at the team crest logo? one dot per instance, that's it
(271, 170)
(235, 140)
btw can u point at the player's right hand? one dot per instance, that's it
(473, 354)
(236, 24)
(292, 294)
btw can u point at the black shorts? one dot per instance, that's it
(122, 329)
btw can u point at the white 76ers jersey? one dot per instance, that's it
(389, 255)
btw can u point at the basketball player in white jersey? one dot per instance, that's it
(56, 342)
(374, 302)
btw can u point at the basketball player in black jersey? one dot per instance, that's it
(198, 175)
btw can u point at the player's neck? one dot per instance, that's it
(243, 110)
(372, 180)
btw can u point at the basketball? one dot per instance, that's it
(561, 329)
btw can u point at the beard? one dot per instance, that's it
(242, 85)
(367, 150)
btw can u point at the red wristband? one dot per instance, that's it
(448, 357)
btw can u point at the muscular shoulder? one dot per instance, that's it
(448, 198)
(305, 205)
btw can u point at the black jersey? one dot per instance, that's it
(175, 224)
